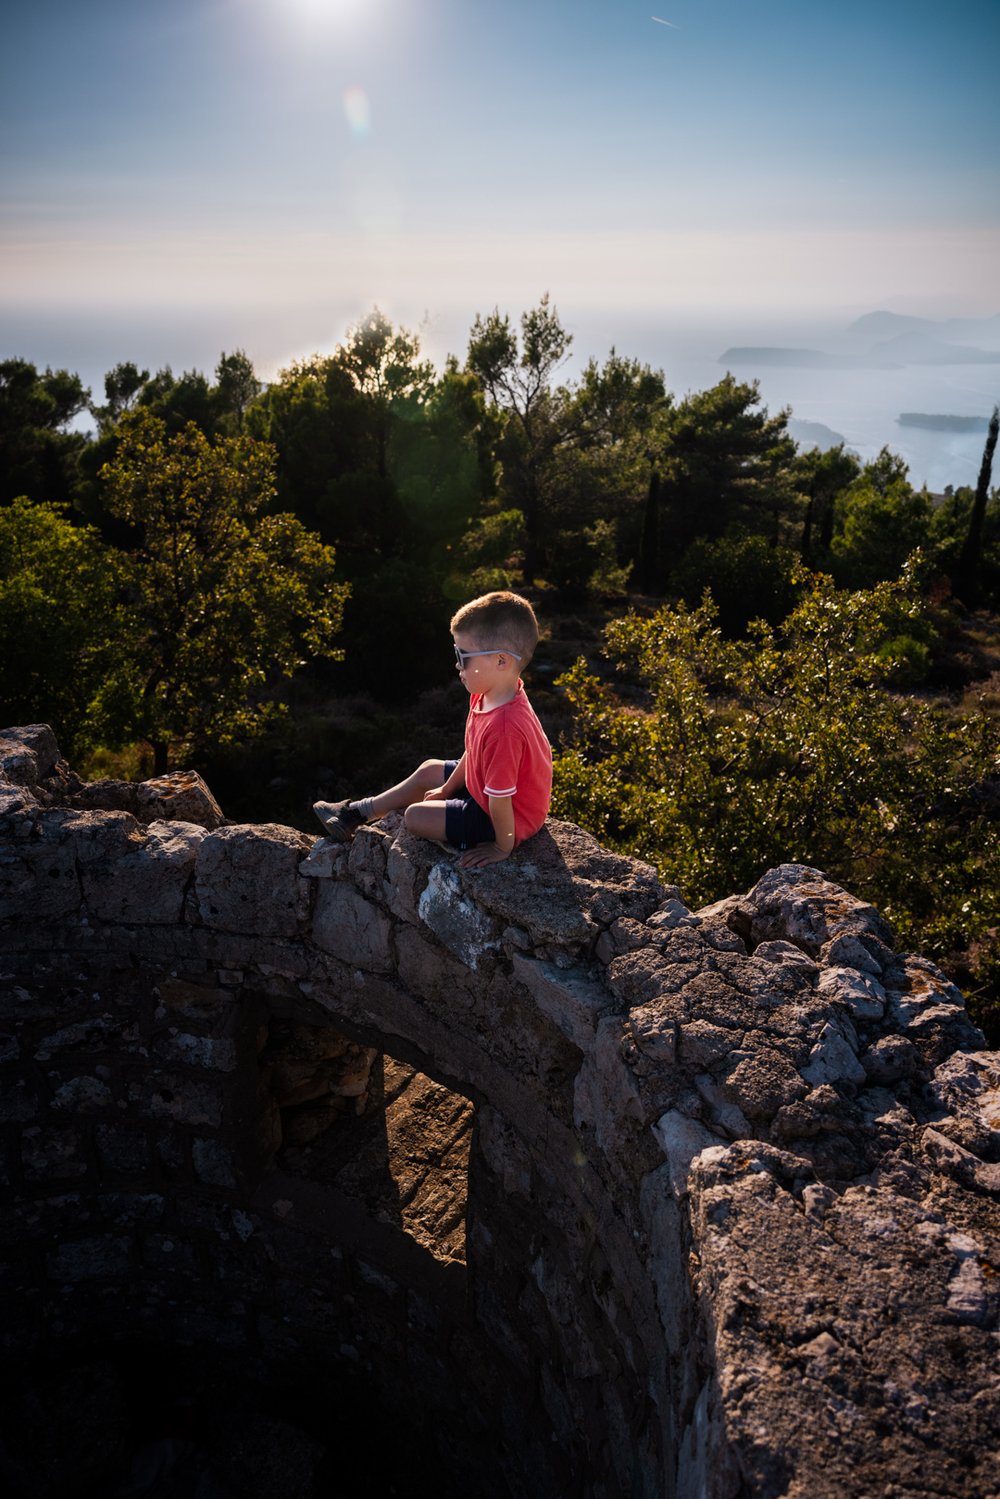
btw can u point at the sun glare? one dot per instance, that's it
(333, 10)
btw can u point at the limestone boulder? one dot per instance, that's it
(467, 931)
(145, 883)
(576, 998)
(179, 796)
(247, 880)
(350, 927)
(41, 872)
(827, 1295)
(28, 753)
(798, 904)
(564, 889)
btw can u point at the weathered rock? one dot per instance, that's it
(834, 1058)
(575, 999)
(562, 887)
(455, 919)
(731, 913)
(870, 1259)
(890, 1059)
(671, 913)
(928, 1009)
(855, 988)
(324, 861)
(865, 953)
(762, 1081)
(797, 904)
(785, 953)
(28, 754)
(367, 858)
(964, 1097)
(146, 883)
(247, 880)
(179, 796)
(352, 928)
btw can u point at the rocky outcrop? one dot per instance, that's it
(732, 1221)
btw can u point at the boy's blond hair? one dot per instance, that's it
(500, 621)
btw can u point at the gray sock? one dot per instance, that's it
(363, 808)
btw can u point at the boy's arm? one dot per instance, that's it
(452, 786)
(502, 817)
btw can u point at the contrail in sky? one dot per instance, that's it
(665, 23)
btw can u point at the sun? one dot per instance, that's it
(333, 10)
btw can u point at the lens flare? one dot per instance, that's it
(357, 110)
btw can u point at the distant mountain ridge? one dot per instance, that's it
(924, 348)
(900, 341)
(890, 324)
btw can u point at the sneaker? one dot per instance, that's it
(340, 821)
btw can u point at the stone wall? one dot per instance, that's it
(732, 1222)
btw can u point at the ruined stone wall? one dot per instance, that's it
(732, 1214)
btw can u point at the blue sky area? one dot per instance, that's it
(202, 174)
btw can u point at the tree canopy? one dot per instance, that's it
(223, 598)
(59, 588)
(38, 456)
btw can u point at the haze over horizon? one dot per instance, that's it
(256, 174)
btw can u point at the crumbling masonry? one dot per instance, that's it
(732, 1223)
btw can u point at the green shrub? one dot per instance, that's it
(789, 746)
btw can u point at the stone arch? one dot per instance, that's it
(679, 1115)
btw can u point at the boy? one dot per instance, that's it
(498, 793)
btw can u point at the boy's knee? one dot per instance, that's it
(429, 774)
(412, 818)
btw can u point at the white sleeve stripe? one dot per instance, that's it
(490, 791)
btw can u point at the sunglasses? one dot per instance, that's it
(462, 656)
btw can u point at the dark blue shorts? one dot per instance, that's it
(465, 822)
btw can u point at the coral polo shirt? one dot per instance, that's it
(507, 754)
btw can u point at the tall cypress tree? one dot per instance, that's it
(967, 572)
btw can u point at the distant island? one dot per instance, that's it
(814, 434)
(943, 423)
(804, 359)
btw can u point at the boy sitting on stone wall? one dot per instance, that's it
(498, 793)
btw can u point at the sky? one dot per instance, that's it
(179, 177)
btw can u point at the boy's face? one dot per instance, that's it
(482, 670)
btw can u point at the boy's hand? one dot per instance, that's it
(442, 793)
(483, 853)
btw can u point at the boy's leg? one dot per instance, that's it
(426, 776)
(459, 823)
(427, 820)
(341, 820)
